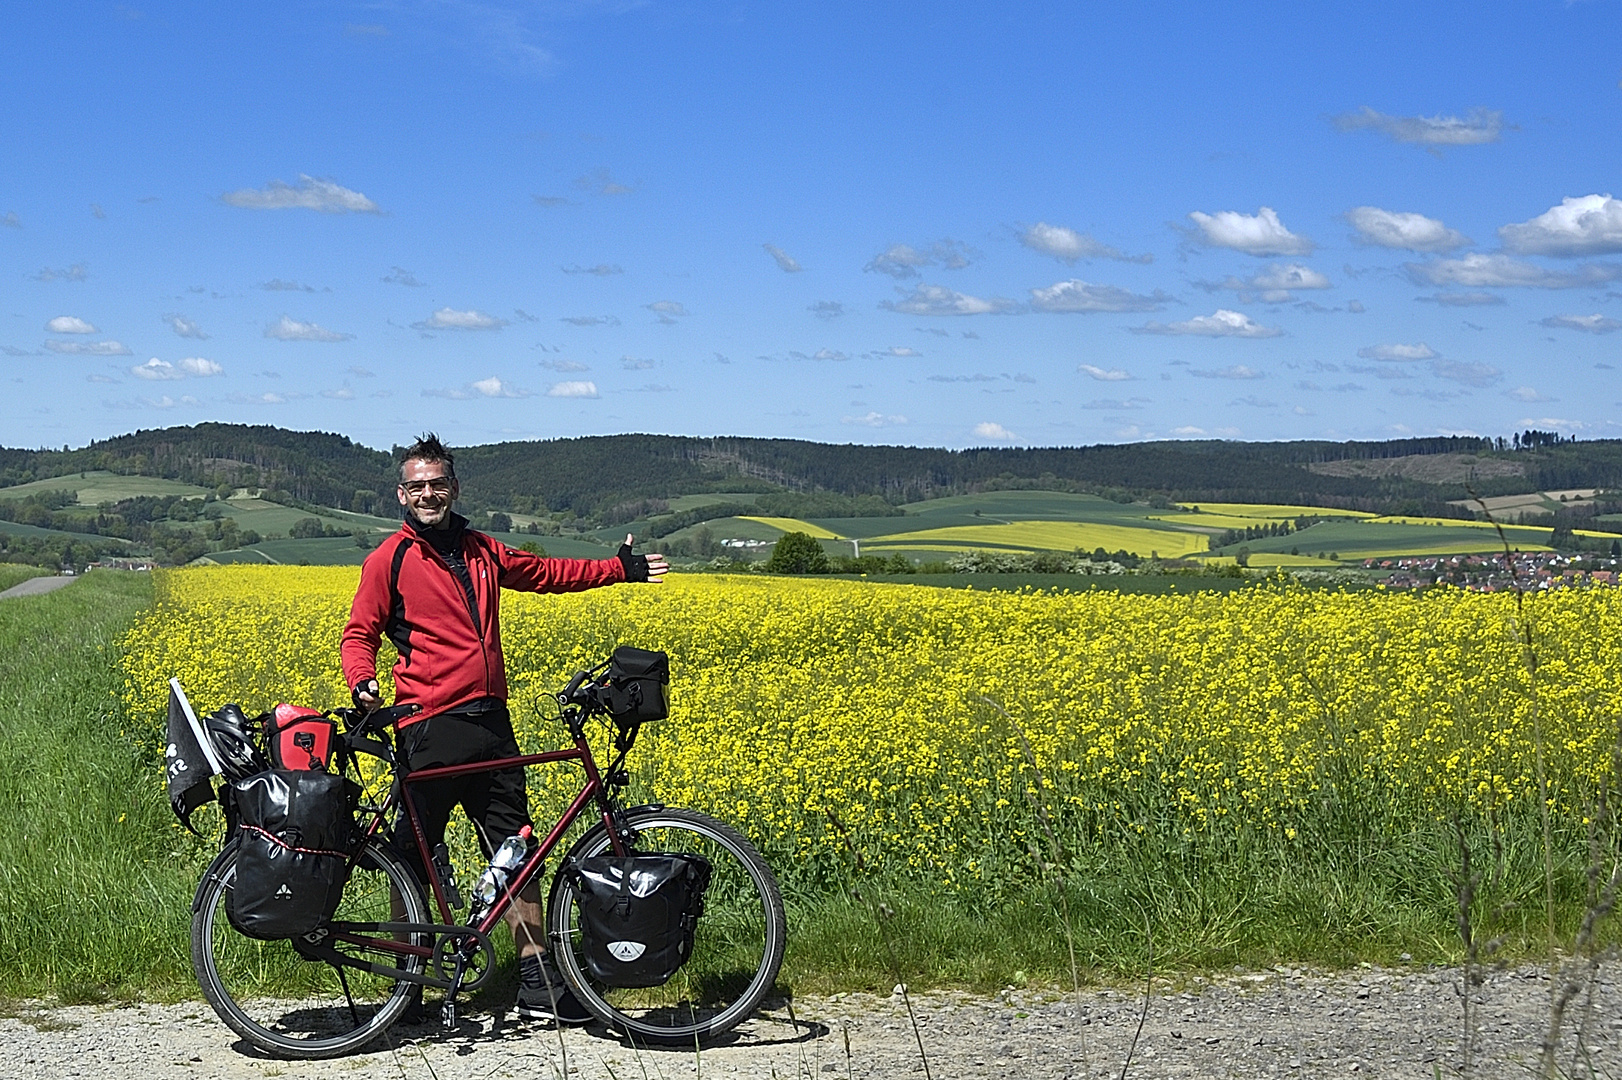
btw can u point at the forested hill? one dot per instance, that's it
(614, 477)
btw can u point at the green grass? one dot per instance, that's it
(17, 573)
(1362, 540)
(95, 878)
(96, 487)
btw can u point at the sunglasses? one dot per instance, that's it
(439, 485)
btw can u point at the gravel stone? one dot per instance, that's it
(1288, 1022)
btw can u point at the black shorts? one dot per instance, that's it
(496, 802)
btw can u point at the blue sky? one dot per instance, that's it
(944, 224)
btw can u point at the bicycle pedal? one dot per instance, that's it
(447, 1015)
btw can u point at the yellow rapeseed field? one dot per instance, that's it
(915, 715)
(1049, 536)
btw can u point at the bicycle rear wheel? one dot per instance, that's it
(291, 1006)
(737, 947)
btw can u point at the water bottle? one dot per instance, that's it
(494, 879)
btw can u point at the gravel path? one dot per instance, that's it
(37, 585)
(1368, 1022)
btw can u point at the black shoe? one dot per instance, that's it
(415, 1014)
(543, 995)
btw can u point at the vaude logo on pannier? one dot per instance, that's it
(626, 950)
(284, 893)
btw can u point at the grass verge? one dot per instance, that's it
(94, 898)
(17, 573)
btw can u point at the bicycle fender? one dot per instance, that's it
(210, 875)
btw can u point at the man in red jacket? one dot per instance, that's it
(433, 590)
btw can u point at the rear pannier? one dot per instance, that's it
(295, 834)
(300, 738)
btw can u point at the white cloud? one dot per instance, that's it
(76, 272)
(904, 261)
(69, 324)
(1480, 126)
(11, 220)
(1220, 323)
(290, 329)
(1467, 372)
(451, 319)
(1420, 351)
(1467, 299)
(827, 309)
(1188, 430)
(1067, 245)
(590, 320)
(308, 194)
(89, 348)
(785, 261)
(989, 430)
(402, 276)
(898, 350)
(1588, 225)
(278, 285)
(157, 370)
(601, 182)
(343, 393)
(667, 310)
(1237, 371)
(1273, 283)
(1527, 393)
(1593, 324)
(581, 389)
(874, 419)
(1112, 375)
(167, 402)
(267, 398)
(197, 365)
(184, 327)
(1409, 232)
(494, 387)
(1500, 271)
(1079, 296)
(564, 365)
(939, 300)
(635, 363)
(1261, 234)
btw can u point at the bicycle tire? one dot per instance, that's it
(315, 1012)
(737, 948)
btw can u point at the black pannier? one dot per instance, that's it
(636, 688)
(295, 833)
(638, 914)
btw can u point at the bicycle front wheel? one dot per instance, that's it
(737, 946)
(291, 1006)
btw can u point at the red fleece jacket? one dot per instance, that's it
(449, 654)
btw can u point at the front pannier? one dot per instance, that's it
(295, 833)
(636, 688)
(638, 914)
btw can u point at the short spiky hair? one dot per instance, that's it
(428, 448)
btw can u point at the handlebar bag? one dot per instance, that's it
(638, 914)
(295, 832)
(637, 686)
(300, 738)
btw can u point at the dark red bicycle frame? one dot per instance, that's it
(532, 864)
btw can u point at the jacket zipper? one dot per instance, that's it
(472, 610)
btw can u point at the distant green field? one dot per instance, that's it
(342, 550)
(96, 487)
(1367, 540)
(693, 502)
(15, 529)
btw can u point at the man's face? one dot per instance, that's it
(427, 490)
